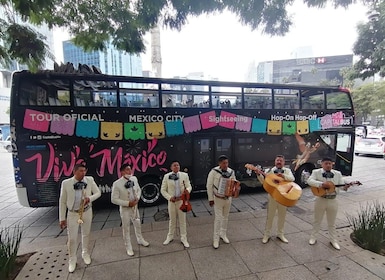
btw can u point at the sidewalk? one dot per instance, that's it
(245, 258)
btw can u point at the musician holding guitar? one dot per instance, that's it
(324, 178)
(216, 188)
(126, 193)
(273, 206)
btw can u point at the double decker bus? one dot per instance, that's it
(60, 119)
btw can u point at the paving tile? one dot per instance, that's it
(263, 257)
(371, 261)
(298, 272)
(221, 263)
(118, 270)
(158, 266)
(340, 268)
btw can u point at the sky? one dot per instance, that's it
(221, 47)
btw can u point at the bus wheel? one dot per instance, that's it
(303, 173)
(150, 192)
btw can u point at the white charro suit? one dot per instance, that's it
(273, 206)
(66, 201)
(324, 204)
(122, 196)
(168, 189)
(221, 204)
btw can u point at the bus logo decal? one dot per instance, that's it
(111, 131)
(134, 131)
(192, 124)
(87, 129)
(62, 126)
(36, 120)
(174, 128)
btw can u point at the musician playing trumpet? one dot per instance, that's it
(327, 203)
(76, 195)
(273, 206)
(126, 193)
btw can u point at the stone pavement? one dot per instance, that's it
(244, 258)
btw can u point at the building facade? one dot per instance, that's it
(310, 70)
(110, 61)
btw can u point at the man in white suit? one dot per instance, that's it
(173, 185)
(273, 206)
(77, 191)
(327, 203)
(126, 193)
(216, 182)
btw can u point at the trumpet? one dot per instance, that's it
(81, 208)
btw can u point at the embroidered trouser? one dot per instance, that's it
(130, 214)
(72, 232)
(174, 212)
(330, 206)
(221, 210)
(273, 207)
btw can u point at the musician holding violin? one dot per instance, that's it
(216, 184)
(174, 185)
(273, 206)
(326, 178)
(126, 193)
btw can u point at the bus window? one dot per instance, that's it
(89, 98)
(338, 100)
(258, 98)
(228, 97)
(312, 99)
(45, 93)
(139, 98)
(286, 99)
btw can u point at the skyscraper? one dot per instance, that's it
(110, 61)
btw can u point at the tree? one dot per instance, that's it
(370, 44)
(365, 100)
(93, 24)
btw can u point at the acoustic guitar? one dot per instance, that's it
(284, 192)
(332, 188)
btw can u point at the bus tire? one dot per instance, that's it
(150, 191)
(303, 173)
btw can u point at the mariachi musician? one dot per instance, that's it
(273, 206)
(321, 178)
(173, 186)
(126, 193)
(77, 194)
(216, 187)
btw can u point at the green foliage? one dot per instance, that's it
(370, 44)
(369, 98)
(369, 226)
(93, 24)
(10, 238)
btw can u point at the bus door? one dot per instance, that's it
(344, 153)
(205, 156)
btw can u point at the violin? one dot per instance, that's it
(186, 205)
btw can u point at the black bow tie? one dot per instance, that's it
(173, 177)
(129, 184)
(80, 185)
(226, 174)
(328, 174)
(278, 171)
